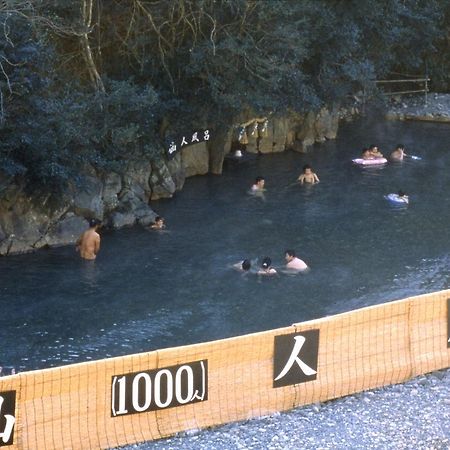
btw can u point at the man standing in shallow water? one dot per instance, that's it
(88, 244)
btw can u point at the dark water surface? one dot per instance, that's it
(149, 289)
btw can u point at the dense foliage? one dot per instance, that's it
(95, 82)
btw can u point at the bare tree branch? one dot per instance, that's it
(84, 38)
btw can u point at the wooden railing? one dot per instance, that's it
(422, 81)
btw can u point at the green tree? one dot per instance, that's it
(89, 82)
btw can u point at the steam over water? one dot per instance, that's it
(149, 290)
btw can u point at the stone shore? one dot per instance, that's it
(435, 108)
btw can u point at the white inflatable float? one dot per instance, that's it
(395, 198)
(369, 162)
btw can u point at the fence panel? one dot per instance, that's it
(118, 401)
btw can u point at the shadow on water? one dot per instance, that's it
(151, 289)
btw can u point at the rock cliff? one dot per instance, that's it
(30, 220)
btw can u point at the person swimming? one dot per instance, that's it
(158, 224)
(366, 153)
(402, 196)
(399, 153)
(243, 266)
(375, 152)
(294, 263)
(399, 198)
(266, 268)
(371, 153)
(308, 176)
(258, 185)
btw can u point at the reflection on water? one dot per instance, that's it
(90, 273)
(151, 289)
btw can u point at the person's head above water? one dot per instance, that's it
(400, 147)
(306, 168)
(158, 223)
(259, 183)
(290, 254)
(94, 223)
(401, 193)
(266, 262)
(246, 264)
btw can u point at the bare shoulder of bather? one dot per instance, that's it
(88, 243)
(308, 175)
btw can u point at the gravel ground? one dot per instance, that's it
(437, 107)
(414, 415)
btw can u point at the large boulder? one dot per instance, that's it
(299, 146)
(137, 178)
(144, 215)
(129, 200)
(253, 138)
(195, 159)
(23, 231)
(306, 131)
(132, 209)
(3, 235)
(265, 144)
(64, 232)
(26, 218)
(173, 174)
(121, 219)
(161, 183)
(112, 185)
(326, 126)
(219, 146)
(87, 198)
(281, 127)
(5, 246)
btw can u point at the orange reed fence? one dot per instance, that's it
(130, 399)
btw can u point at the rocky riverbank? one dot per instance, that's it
(31, 219)
(434, 108)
